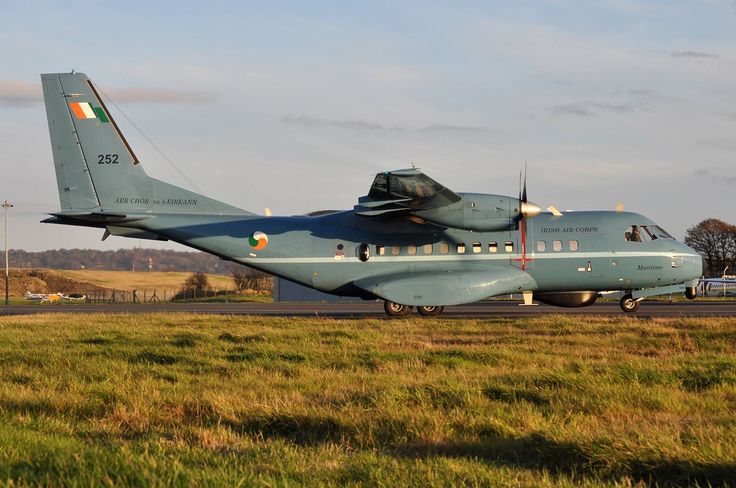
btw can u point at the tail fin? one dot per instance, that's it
(96, 169)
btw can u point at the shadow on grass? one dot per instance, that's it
(536, 451)
(303, 430)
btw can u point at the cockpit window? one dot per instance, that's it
(645, 233)
(660, 232)
(633, 234)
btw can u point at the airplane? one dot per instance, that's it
(55, 297)
(410, 242)
(35, 296)
(724, 286)
(44, 297)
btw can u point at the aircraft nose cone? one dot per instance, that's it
(705, 266)
(529, 210)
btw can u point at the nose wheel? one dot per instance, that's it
(628, 304)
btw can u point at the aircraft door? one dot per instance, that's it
(329, 253)
(598, 255)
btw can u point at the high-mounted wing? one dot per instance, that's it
(404, 191)
(409, 193)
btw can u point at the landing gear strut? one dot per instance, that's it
(396, 309)
(628, 304)
(429, 311)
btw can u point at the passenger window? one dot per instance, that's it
(508, 246)
(461, 248)
(411, 249)
(557, 246)
(574, 245)
(444, 247)
(395, 250)
(493, 246)
(541, 246)
(380, 251)
(476, 247)
(428, 249)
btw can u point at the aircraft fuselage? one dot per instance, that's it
(576, 251)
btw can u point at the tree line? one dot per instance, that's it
(119, 260)
(715, 240)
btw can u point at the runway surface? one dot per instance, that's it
(375, 309)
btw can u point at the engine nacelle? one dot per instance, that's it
(568, 299)
(476, 212)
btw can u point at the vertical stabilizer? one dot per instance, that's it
(96, 169)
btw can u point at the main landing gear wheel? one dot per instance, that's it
(396, 309)
(429, 311)
(628, 304)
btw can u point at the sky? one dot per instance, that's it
(296, 105)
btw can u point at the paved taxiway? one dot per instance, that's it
(375, 309)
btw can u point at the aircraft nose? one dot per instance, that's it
(705, 266)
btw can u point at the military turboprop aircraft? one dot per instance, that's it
(410, 241)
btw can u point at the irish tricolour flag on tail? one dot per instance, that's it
(84, 110)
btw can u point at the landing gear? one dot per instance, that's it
(429, 311)
(691, 293)
(628, 304)
(396, 309)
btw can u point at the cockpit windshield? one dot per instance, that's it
(660, 232)
(645, 233)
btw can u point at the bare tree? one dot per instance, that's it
(240, 275)
(249, 279)
(196, 282)
(716, 241)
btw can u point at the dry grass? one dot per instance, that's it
(190, 399)
(130, 280)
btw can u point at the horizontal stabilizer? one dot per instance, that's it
(91, 218)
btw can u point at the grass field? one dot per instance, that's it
(190, 399)
(130, 280)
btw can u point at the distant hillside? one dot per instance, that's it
(89, 281)
(120, 260)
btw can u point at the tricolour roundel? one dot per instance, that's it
(258, 240)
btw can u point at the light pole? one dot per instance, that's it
(6, 206)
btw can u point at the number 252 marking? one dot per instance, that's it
(107, 159)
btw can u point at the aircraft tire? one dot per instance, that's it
(430, 310)
(691, 293)
(628, 304)
(395, 309)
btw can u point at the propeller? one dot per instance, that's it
(527, 211)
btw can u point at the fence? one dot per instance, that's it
(155, 295)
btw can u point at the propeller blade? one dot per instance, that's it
(554, 211)
(520, 186)
(523, 195)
